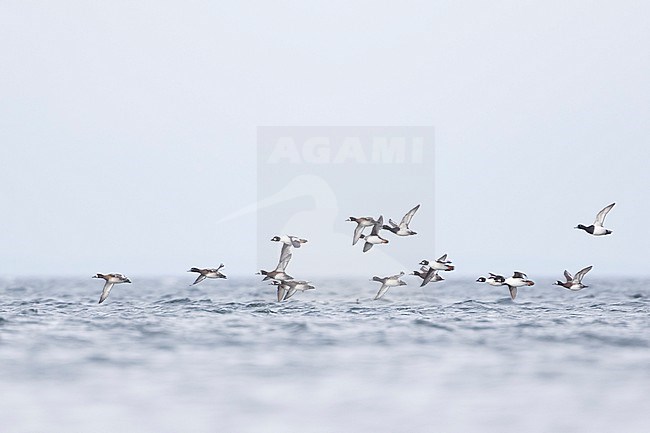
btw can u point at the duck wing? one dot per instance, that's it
(285, 257)
(281, 292)
(382, 291)
(427, 278)
(290, 293)
(409, 215)
(600, 218)
(106, 291)
(197, 281)
(581, 273)
(378, 225)
(568, 276)
(443, 259)
(357, 233)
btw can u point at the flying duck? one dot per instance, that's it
(287, 289)
(442, 264)
(362, 223)
(597, 228)
(289, 240)
(402, 229)
(279, 272)
(492, 280)
(207, 273)
(574, 283)
(430, 275)
(387, 282)
(518, 279)
(374, 237)
(111, 280)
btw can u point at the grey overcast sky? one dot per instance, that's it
(128, 129)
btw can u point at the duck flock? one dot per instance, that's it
(429, 271)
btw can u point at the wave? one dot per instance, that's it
(429, 324)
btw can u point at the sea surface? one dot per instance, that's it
(222, 356)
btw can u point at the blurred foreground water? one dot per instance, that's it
(159, 356)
